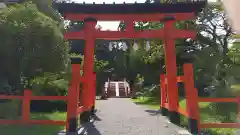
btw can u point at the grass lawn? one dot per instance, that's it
(35, 129)
(236, 89)
(208, 113)
(236, 86)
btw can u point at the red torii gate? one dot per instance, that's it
(166, 33)
(168, 13)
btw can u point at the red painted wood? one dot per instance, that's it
(171, 66)
(191, 93)
(116, 35)
(10, 97)
(130, 26)
(163, 90)
(76, 80)
(127, 17)
(49, 98)
(81, 79)
(26, 106)
(165, 105)
(73, 97)
(76, 72)
(89, 31)
(69, 105)
(91, 91)
(94, 88)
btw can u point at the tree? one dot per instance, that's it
(31, 42)
(215, 36)
(45, 7)
(211, 46)
(234, 55)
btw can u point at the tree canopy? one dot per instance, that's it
(30, 42)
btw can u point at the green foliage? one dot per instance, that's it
(35, 129)
(234, 55)
(139, 78)
(9, 109)
(99, 65)
(45, 7)
(49, 84)
(31, 42)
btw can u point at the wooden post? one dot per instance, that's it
(89, 30)
(73, 98)
(26, 106)
(129, 25)
(164, 110)
(93, 93)
(171, 71)
(191, 99)
(95, 86)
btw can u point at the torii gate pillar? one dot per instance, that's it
(88, 87)
(171, 69)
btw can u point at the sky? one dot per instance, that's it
(106, 25)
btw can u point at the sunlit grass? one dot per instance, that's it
(35, 129)
(208, 113)
(236, 89)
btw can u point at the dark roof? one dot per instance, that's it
(131, 8)
(76, 60)
(11, 1)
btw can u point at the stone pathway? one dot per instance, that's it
(119, 116)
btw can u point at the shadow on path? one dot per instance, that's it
(96, 118)
(153, 112)
(91, 129)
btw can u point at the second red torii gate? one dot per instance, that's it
(90, 34)
(168, 13)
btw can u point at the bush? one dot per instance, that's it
(9, 109)
(49, 88)
(48, 106)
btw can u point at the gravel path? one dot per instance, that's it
(119, 116)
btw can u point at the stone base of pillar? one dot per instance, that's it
(193, 126)
(93, 110)
(164, 111)
(85, 117)
(72, 133)
(174, 117)
(73, 125)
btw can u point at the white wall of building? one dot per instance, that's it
(2, 5)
